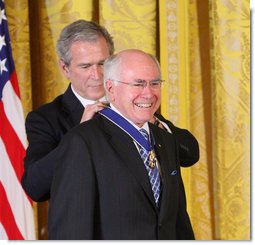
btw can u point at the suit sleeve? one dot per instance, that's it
(72, 205)
(187, 144)
(38, 169)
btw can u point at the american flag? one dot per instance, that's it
(16, 211)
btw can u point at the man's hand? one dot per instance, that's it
(91, 110)
(154, 120)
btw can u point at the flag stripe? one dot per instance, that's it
(14, 82)
(12, 144)
(16, 210)
(3, 234)
(18, 201)
(7, 218)
(14, 111)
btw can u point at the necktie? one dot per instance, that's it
(153, 173)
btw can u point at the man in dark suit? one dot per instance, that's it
(82, 48)
(118, 176)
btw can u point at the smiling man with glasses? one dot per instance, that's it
(130, 83)
(117, 175)
(140, 84)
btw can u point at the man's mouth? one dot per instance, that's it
(96, 85)
(144, 105)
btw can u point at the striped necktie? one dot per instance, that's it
(153, 173)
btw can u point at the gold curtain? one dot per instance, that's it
(230, 58)
(205, 56)
(131, 23)
(204, 50)
(183, 99)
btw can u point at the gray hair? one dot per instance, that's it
(81, 30)
(112, 69)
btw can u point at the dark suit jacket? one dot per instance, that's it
(45, 128)
(101, 188)
(187, 144)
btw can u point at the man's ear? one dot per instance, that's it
(109, 87)
(64, 68)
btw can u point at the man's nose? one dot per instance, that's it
(147, 90)
(96, 71)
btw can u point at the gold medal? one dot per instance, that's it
(152, 159)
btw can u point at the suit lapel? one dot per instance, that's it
(72, 109)
(127, 151)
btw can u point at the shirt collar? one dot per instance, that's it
(145, 126)
(85, 101)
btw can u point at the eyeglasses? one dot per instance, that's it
(141, 84)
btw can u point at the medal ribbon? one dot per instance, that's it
(127, 127)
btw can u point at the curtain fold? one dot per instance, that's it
(204, 51)
(184, 102)
(230, 97)
(131, 23)
(18, 20)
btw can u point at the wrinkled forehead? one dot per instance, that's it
(142, 68)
